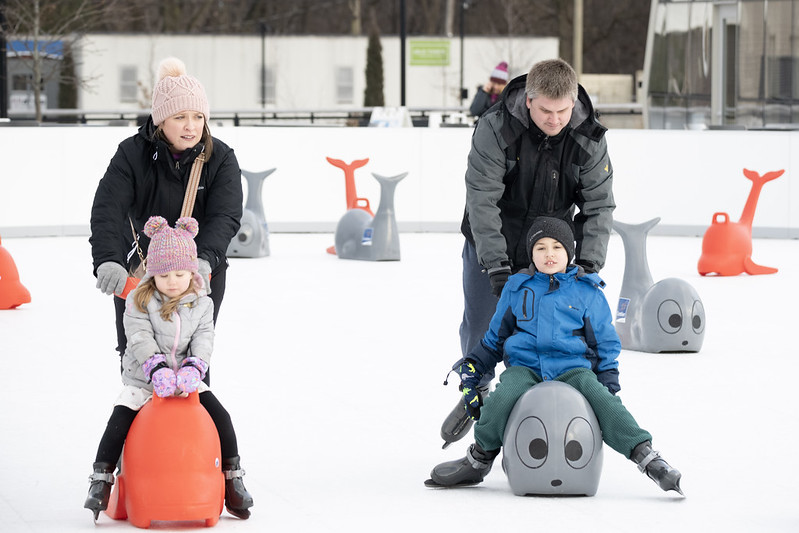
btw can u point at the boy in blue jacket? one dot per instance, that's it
(552, 322)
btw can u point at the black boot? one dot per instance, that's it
(100, 488)
(237, 499)
(658, 470)
(469, 470)
(458, 423)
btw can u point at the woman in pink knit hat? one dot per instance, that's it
(149, 175)
(169, 321)
(488, 94)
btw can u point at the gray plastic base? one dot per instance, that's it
(252, 239)
(359, 236)
(553, 444)
(667, 316)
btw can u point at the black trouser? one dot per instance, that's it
(119, 423)
(217, 294)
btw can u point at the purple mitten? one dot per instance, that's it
(191, 373)
(163, 377)
(164, 382)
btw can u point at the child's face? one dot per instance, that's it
(173, 283)
(549, 256)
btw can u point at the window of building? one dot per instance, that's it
(267, 93)
(128, 84)
(344, 85)
(22, 82)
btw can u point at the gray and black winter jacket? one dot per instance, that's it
(516, 173)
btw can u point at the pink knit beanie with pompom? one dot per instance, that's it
(176, 91)
(171, 249)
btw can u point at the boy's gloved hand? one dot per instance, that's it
(191, 373)
(472, 398)
(162, 377)
(111, 278)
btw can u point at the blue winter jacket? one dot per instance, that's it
(552, 324)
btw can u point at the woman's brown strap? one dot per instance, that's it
(191, 189)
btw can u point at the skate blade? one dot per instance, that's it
(434, 485)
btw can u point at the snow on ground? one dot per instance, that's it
(333, 370)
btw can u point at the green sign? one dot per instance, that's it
(430, 53)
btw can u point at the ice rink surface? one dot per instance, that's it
(332, 371)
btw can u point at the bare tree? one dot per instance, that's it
(40, 23)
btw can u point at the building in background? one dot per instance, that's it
(722, 64)
(301, 72)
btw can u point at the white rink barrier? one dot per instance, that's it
(48, 175)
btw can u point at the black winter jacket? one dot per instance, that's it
(143, 180)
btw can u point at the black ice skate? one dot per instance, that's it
(237, 499)
(658, 470)
(469, 470)
(100, 488)
(458, 423)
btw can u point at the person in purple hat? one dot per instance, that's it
(488, 94)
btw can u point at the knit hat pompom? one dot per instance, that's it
(154, 225)
(554, 228)
(172, 67)
(189, 225)
(171, 249)
(176, 91)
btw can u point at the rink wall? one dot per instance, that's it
(48, 176)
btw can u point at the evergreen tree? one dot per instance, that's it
(373, 94)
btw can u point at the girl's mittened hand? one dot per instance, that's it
(164, 382)
(188, 379)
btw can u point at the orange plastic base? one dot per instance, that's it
(727, 249)
(131, 284)
(171, 466)
(12, 292)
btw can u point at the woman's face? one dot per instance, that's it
(183, 130)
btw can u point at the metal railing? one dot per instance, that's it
(354, 116)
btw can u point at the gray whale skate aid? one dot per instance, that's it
(252, 239)
(667, 316)
(553, 444)
(361, 236)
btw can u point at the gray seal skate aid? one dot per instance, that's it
(553, 444)
(252, 239)
(361, 236)
(667, 316)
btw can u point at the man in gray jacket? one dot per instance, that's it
(541, 152)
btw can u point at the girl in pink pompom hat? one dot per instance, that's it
(169, 326)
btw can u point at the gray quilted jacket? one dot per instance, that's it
(189, 333)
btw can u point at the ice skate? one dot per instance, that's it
(100, 481)
(464, 472)
(658, 470)
(458, 423)
(237, 499)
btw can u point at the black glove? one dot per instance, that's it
(470, 378)
(498, 276)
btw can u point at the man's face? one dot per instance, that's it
(551, 116)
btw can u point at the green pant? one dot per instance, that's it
(619, 429)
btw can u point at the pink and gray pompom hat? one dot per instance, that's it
(171, 248)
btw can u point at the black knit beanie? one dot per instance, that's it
(555, 228)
